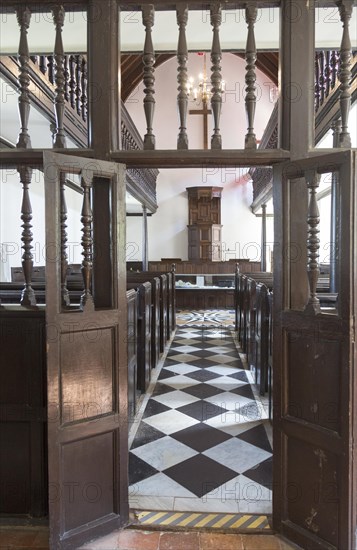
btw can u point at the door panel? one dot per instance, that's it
(314, 362)
(86, 356)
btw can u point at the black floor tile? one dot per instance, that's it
(154, 407)
(161, 388)
(200, 474)
(257, 436)
(202, 375)
(146, 434)
(202, 391)
(139, 469)
(202, 363)
(202, 410)
(240, 376)
(262, 473)
(165, 374)
(201, 437)
(245, 391)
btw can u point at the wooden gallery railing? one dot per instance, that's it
(331, 82)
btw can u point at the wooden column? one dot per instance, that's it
(263, 256)
(296, 64)
(103, 77)
(250, 77)
(64, 237)
(87, 243)
(345, 9)
(25, 172)
(216, 77)
(145, 239)
(335, 217)
(23, 18)
(149, 75)
(313, 241)
(182, 57)
(28, 295)
(58, 19)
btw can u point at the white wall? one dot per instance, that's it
(241, 232)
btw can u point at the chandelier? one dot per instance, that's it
(201, 92)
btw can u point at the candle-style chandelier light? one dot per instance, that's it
(200, 90)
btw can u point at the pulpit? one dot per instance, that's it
(204, 223)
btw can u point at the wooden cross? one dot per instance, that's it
(205, 112)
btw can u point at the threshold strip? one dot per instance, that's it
(202, 520)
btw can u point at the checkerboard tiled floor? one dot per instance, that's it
(202, 443)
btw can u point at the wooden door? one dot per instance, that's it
(314, 361)
(86, 356)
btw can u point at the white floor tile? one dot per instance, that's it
(229, 401)
(224, 370)
(151, 502)
(175, 399)
(231, 426)
(164, 453)
(237, 454)
(181, 368)
(180, 382)
(226, 383)
(158, 485)
(184, 348)
(169, 422)
(205, 505)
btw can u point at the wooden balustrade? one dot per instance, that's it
(327, 67)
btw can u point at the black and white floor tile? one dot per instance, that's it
(205, 318)
(201, 443)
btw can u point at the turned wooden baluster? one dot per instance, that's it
(72, 81)
(216, 76)
(84, 89)
(345, 8)
(23, 18)
(317, 82)
(327, 73)
(78, 83)
(182, 57)
(313, 241)
(51, 69)
(87, 242)
(43, 64)
(322, 77)
(148, 12)
(58, 19)
(64, 237)
(27, 296)
(334, 67)
(250, 76)
(66, 78)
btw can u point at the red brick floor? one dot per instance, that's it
(37, 538)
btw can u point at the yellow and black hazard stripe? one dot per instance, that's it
(197, 520)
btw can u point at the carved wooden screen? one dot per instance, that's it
(314, 361)
(87, 357)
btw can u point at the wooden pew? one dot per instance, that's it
(144, 334)
(164, 301)
(135, 279)
(261, 338)
(132, 357)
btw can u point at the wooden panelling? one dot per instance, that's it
(88, 490)
(314, 379)
(87, 380)
(23, 462)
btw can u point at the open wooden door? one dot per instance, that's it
(314, 360)
(86, 354)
